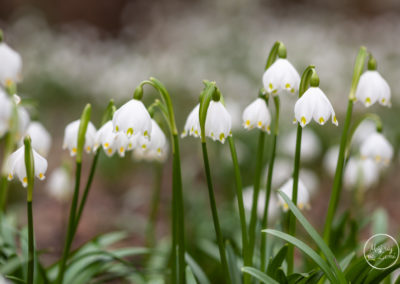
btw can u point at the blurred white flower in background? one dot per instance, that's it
(330, 160)
(257, 115)
(303, 196)
(11, 64)
(40, 137)
(373, 88)
(281, 76)
(60, 185)
(377, 147)
(192, 124)
(310, 146)
(71, 137)
(365, 129)
(234, 109)
(314, 104)
(5, 112)
(23, 121)
(360, 173)
(273, 208)
(4, 280)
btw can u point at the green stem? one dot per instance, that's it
(3, 192)
(292, 219)
(214, 211)
(337, 182)
(242, 214)
(155, 201)
(86, 191)
(30, 243)
(71, 224)
(256, 190)
(271, 163)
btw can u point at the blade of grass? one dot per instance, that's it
(264, 278)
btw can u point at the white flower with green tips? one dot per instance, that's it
(16, 166)
(314, 104)
(71, 137)
(303, 196)
(218, 122)
(257, 115)
(110, 141)
(157, 142)
(132, 118)
(376, 147)
(11, 65)
(40, 138)
(281, 76)
(192, 125)
(373, 88)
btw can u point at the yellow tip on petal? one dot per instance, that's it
(368, 101)
(212, 134)
(222, 137)
(73, 150)
(303, 120)
(109, 150)
(196, 132)
(25, 180)
(383, 100)
(116, 128)
(121, 150)
(144, 146)
(259, 124)
(321, 120)
(10, 176)
(88, 148)
(247, 122)
(287, 86)
(268, 128)
(292, 90)
(378, 158)
(334, 119)
(129, 132)
(301, 206)
(270, 86)
(9, 82)
(158, 150)
(145, 133)
(285, 206)
(106, 145)
(41, 176)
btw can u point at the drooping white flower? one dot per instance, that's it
(5, 112)
(257, 115)
(281, 76)
(376, 147)
(11, 65)
(111, 141)
(373, 88)
(330, 160)
(132, 118)
(192, 125)
(310, 145)
(314, 104)
(71, 137)
(16, 165)
(155, 146)
(41, 139)
(363, 131)
(361, 173)
(218, 122)
(23, 121)
(272, 207)
(59, 184)
(303, 196)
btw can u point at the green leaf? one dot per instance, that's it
(198, 272)
(376, 275)
(307, 250)
(233, 264)
(15, 279)
(276, 262)
(280, 276)
(189, 276)
(317, 239)
(346, 261)
(264, 278)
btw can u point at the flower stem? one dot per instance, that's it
(214, 211)
(155, 201)
(30, 243)
(292, 219)
(242, 214)
(271, 163)
(256, 191)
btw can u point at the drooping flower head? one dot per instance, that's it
(310, 147)
(376, 147)
(303, 197)
(218, 122)
(372, 87)
(192, 125)
(111, 141)
(361, 172)
(272, 207)
(41, 139)
(11, 64)
(59, 185)
(257, 115)
(154, 149)
(132, 118)
(16, 165)
(71, 137)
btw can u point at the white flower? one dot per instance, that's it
(314, 104)
(156, 146)
(362, 173)
(59, 184)
(310, 144)
(363, 131)
(41, 139)
(110, 141)
(132, 118)
(330, 160)
(218, 122)
(16, 165)
(5, 112)
(71, 137)
(273, 203)
(280, 76)
(303, 196)
(376, 147)
(192, 125)
(11, 65)
(23, 121)
(373, 88)
(257, 115)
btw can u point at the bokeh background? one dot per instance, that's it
(75, 52)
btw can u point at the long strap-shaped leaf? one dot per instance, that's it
(317, 239)
(264, 278)
(307, 250)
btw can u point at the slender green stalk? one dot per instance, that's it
(242, 214)
(155, 202)
(30, 243)
(292, 219)
(214, 212)
(271, 163)
(3, 191)
(337, 182)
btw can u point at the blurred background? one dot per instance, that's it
(75, 52)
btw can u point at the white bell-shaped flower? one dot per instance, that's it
(41, 139)
(303, 196)
(363, 131)
(281, 76)
(273, 203)
(314, 104)
(110, 141)
(16, 166)
(5, 112)
(157, 142)
(376, 147)
(101, 134)
(132, 118)
(373, 88)
(362, 173)
(71, 137)
(218, 122)
(310, 145)
(59, 184)
(11, 65)
(257, 115)
(192, 125)
(330, 160)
